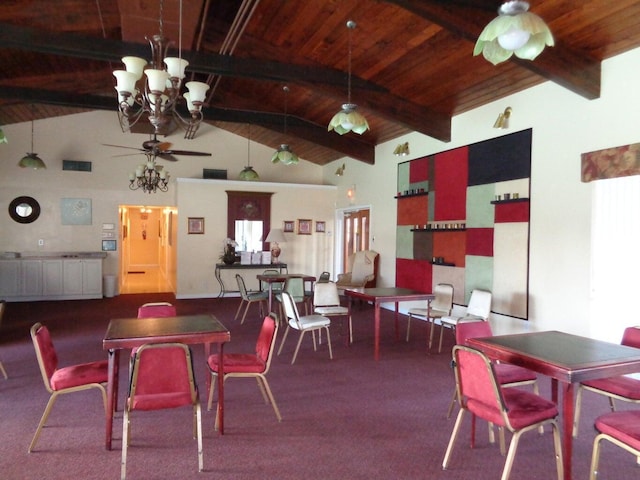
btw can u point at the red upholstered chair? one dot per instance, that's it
(622, 387)
(57, 381)
(157, 309)
(621, 429)
(161, 378)
(245, 365)
(516, 410)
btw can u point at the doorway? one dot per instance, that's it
(354, 234)
(148, 253)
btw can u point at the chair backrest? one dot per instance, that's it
(477, 386)
(162, 377)
(295, 287)
(325, 295)
(45, 353)
(157, 309)
(324, 277)
(267, 340)
(242, 287)
(479, 304)
(466, 330)
(290, 308)
(631, 337)
(270, 271)
(362, 264)
(444, 297)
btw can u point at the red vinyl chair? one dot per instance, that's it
(157, 309)
(161, 378)
(245, 365)
(622, 387)
(57, 381)
(516, 410)
(621, 429)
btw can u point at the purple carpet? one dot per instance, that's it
(346, 418)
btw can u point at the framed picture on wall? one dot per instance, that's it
(288, 226)
(196, 225)
(320, 227)
(304, 226)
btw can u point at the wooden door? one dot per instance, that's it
(356, 233)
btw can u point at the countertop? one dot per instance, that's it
(50, 255)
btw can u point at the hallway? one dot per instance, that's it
(147, 280)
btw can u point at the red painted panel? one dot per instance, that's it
(480, 241)
(512, 212)
(419, 170)
(415, 274)
(451, 174)
(413, 210)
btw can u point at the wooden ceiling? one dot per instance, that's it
(412, 63)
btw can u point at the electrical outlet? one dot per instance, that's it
(41, 243)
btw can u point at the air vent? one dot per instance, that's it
(76, 165)
(213, 173)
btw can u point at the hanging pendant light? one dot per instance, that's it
(249, 174)
(349, 119)
(31, 160)
(515, 31)
(284, 154)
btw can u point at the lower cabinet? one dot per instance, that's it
(82, 277)
(51, 277)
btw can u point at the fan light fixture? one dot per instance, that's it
(284, 154)
(248, 173)
(31, 160)
(149, 177)
(503, 119)
(348, 119)
(158, 95)
(402, 150)
(515, 31)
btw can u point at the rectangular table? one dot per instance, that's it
(270, 279)
(128, 333)
(382, 295)
(566, 358)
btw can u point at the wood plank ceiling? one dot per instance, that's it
(412, 61)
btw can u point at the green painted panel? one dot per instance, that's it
(478, 274)
(480, 210)
(404, 243)
(403, 176)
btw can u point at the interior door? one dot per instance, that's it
(356, 233)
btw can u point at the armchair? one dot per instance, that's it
(362, 270)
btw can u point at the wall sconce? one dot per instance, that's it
(402, 150)
(340, 171)
(351, 193)
(503, 119)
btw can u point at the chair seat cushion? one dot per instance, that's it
(258, 295)
(423, 312)
(523, 409)
(452, 320)
(76, 375)
(622, 385)
(625, 426)
(335, 310)
(237, 363)
(508, 373)
(159, 401)
(309, 322)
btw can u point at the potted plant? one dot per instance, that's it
(229, 251)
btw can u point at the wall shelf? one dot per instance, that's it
(443, 264)
(511, 200)
(424, 230)
(421, 194)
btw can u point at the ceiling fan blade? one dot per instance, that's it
(167, 156)
(187, 152)
(122, 146)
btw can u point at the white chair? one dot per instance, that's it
(479, 308)
(307, 323)
(439, 307)
(326, 301)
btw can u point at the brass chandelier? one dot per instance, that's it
(149, 177)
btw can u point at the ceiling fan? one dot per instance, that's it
(157, 149)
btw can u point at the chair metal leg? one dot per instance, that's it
(238, 310)
(295, 354)
(199, 434)
(4, 372)
(284, 337)
(453, 402)
(329, 343)
(214, 380)
(246, 309)
(125, 444)
(576, 414)
(43, 420)
(265, 384)
(452, 440)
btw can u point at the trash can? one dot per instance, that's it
(109, 285)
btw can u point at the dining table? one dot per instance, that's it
(273, 278)
(378, 296)
(567, 359)
(130, 333)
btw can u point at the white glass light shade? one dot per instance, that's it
(504, 35)
(135, 65)
(128, 99)
(176, 66)
(348, 120)
(157, 79)
(197, 91)
(285, 156)
(31, 160)
(190, 106)
(126, 81)
(276, 235)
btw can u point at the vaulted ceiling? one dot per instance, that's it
(413, 65)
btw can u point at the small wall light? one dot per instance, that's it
(503, 119)
(402, 150)
(340, 171)
(351, 193)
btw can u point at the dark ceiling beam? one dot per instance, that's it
(575, 71)
(378, 99)
(349, 146)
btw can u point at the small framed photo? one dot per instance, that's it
(288, 226)
(109, 245)
(304, 226)
(320, 226)
(196, 225)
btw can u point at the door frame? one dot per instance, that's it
(339, 266)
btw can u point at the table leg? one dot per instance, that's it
(219, 278)
(207, 352)
(112, 392)
(567, 428)
(270, 297)
(396, 320)
(376, 332)
(221, 389)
